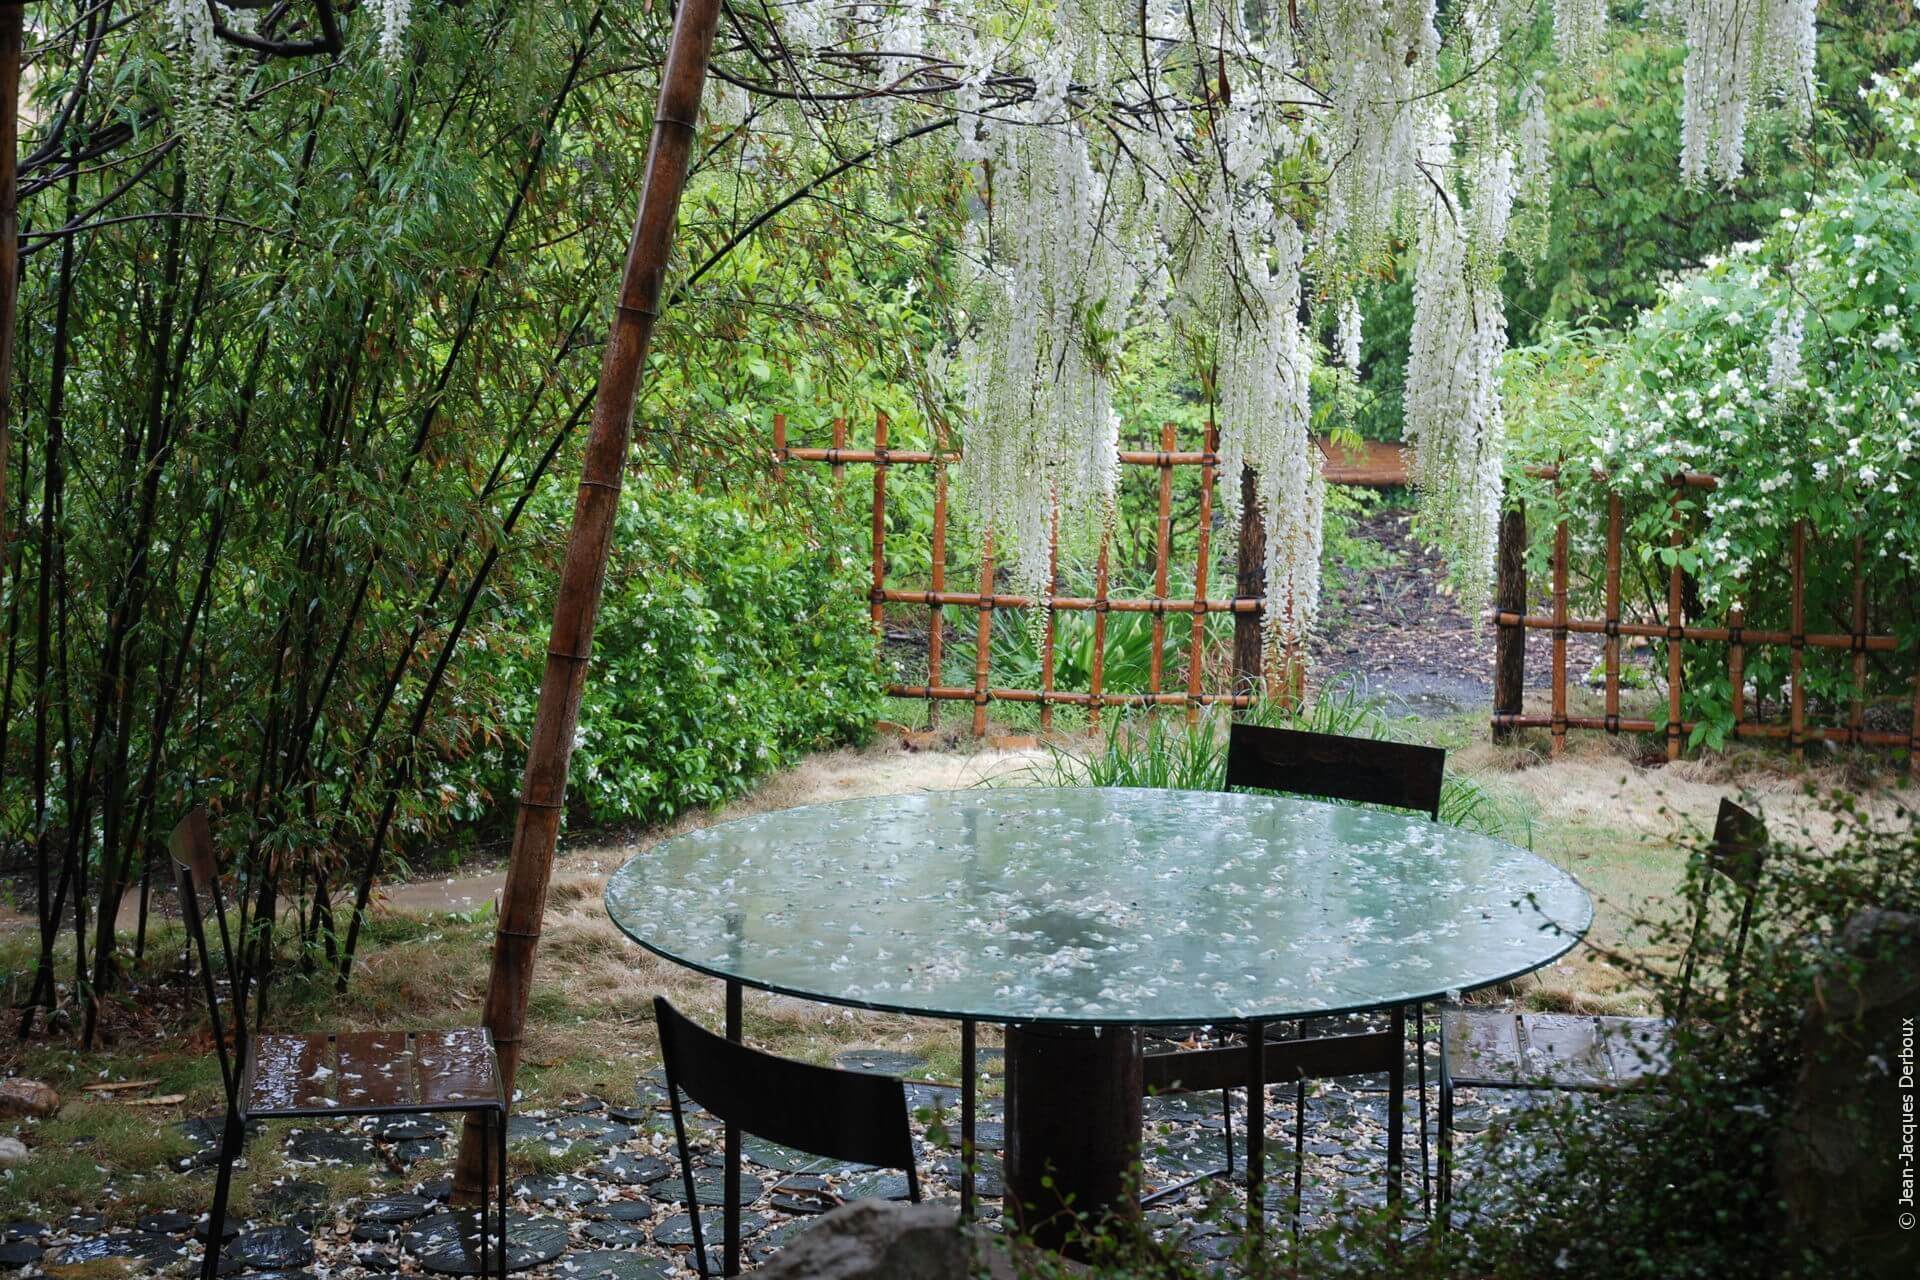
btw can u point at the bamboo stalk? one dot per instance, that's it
(1737, 666)
(583, 572)
(1162, 552)
(779, 446)
(840, 447)
(878, 595)
(1065, 697)
(1676, 618)
(936, 621)
(1613, 607)
(1697, 635)
(983, 637)
(1196, 651)
(1245, 605)
(1559, 632)
(1099, 637)
(1048, 638)
(1798, 711)
(1856, 718)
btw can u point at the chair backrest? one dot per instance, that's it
(196, 877)
(1738, 854)
(843, 1115)
(1332, 767)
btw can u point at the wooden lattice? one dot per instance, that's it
(987, 601)
(1513, 621)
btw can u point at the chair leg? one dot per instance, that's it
(686, 1175)
(730, 1199)
(1445, 1206)
(1420, 1060)
(230, 1143)
(1299, 1150)
(1397, 1113)
(1226, 1119)
(501, 1153)
(967, 1125)
(1256, 1128)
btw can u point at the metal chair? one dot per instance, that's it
(286, 1077)
(1325, 766)
(1576, 1053)
(843, 1115)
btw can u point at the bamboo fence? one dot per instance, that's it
(1163, 604)
(1512, 620)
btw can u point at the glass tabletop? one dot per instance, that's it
(1096, 905)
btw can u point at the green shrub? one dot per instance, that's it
(727, 644)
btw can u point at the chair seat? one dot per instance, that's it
(372, 1071)
(1552, 1050)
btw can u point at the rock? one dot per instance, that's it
(1836, 1156)
(27, 1098)
(876, 1240)
(12, 1152)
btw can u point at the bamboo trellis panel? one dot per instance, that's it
(1163, 604)
(1796, 732)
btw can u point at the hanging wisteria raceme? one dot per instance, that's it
(1579, 30)
(1201, 164)
(1454, 423)
(1057, 256)
(1377, 59)
(1743, 56)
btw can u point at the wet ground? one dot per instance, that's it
(620, 1209)
(1395, 633)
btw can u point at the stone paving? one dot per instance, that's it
(621, 1213)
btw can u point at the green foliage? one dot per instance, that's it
(727, 644)
(1787, 370)
(1623, 224)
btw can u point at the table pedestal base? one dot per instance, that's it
(1073, 1124)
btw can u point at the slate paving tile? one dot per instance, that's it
(24, 1229)
(403, 1128)
(678, 1230)
(378, 1257)
(772, 1155)
(447, 1244)
(229, 1227)
(392, 1209)
(555, 1189)
(709, 1186)
(623, 1210)
(84, 1224)
(630, 1170)
(414, 1150)
(273, 1248)
(879, 1062)
(329, 1146)
(166, 1223)
(885, 1184)
(141, 1248)
(16, 1254)
(611, 1264)
(615, 1235)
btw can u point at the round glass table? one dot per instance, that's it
(1077, 916)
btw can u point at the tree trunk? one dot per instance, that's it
(1510, 643)
(543, 790)
(1251, 580)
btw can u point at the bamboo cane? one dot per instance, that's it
(936, 620)
(1560, 633)
(1053, 622)
(550, 749)
(983, 638)
(878, 594)
(1797, 712)
(1196, 652)
(1856, 717)
(1099, 636)
(1162, 552)
(1613, 609)
(1676, 621)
